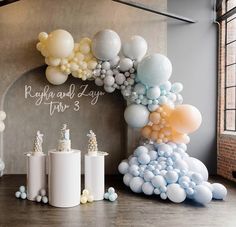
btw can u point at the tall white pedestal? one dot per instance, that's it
(64, 178)
(94, 175)
(36, 175)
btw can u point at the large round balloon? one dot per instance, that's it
(175, 193)
(55, 76)
(154, 70)
(136, 115)
(106, 44)
(197, 166)
(185, 118)
(135, 48)
(59, 44)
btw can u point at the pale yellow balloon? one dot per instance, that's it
(55, 76)
(84, 48)
(52, 61)
(90, 198)
(42, 36)
(185, 118)
(60, 43)
(92, 64)
(83, 199)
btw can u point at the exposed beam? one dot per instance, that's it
(149, 9)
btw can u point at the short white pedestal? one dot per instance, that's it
(94, 175)
(36, 175)
(64, 178)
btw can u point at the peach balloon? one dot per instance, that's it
(180, 138)
(146, 131)
(185, 118)
(155, 117)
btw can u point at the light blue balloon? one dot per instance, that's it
(202, 194)
(163, 196)
(17, 194)
(165, 148)
(183, 179)
(176, 87)
(45, 199)
(219, 191)
(158, 181)
(153, 92)
(144, 159)
(162, 100)
(141, 150)
(171, 177)
(157, 191)
(106, 195)
(111, 190)
(152, 107)
(22, 188)
(165, 86)
(38, 198)
(136, 116)
(127, 178)
(133, 168)
(147, 188)
(153, 154)
(134, 161)
(136, 184)
(112, 197)
(154, 70)
(183, 146)
(144, 101)
(189, 191)
(156, 172)
(123, 167)
(197, 178)
(148, 175)
(140, 89)
(23, 195)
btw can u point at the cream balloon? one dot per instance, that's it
(2, 126)
(2, 115)
(185, 118)
(55, 76)
(135, 48)
(59, 44)
(106, 44)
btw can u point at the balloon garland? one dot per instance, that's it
(161, 165)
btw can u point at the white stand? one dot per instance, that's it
(64, 178)
(94, 175)
(36, 175)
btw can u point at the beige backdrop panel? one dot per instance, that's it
(20, 24)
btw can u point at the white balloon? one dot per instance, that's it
(2, 115)
(59, 43)
(125, 64)
(2, 126)
(106, 44)
(135, 48)
(109, 89)
(197, 166)
(109, 80)
(175, 193)
(55, 76)
(99, 81)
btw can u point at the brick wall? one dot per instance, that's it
(226, 143)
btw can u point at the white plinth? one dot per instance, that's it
(64, 178)
(94, 175)
(36, 175)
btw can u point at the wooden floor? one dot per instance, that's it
(129, 210)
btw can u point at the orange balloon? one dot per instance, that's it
(154, 117)
(146, 131)
(180, 138)
(154, 135)
(167, 109)
(185, 119)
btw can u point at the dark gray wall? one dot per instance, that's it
(192, 49)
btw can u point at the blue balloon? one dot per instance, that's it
(202, 194)
(171, 177)
(197, 178)
(136, 116)
(219, 191)
(136, 184)
(165, 87)
(147, 188)
(165, 148)
(148, 175)
(140, 89)
(153, 154)
(133, 161)
(123, 167)
(141, 150)
(144, 159)
(158, 181)
(177, 87)
(127, 178)
(153, 92)
(154, 70)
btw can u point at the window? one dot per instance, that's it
(226, 12)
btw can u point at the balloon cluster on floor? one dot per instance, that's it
(161, 166)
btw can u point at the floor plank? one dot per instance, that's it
(129, 210)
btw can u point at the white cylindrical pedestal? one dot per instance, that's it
(94, 175)
(64, 178)
(36, 175)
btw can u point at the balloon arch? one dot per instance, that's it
(160, 165)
